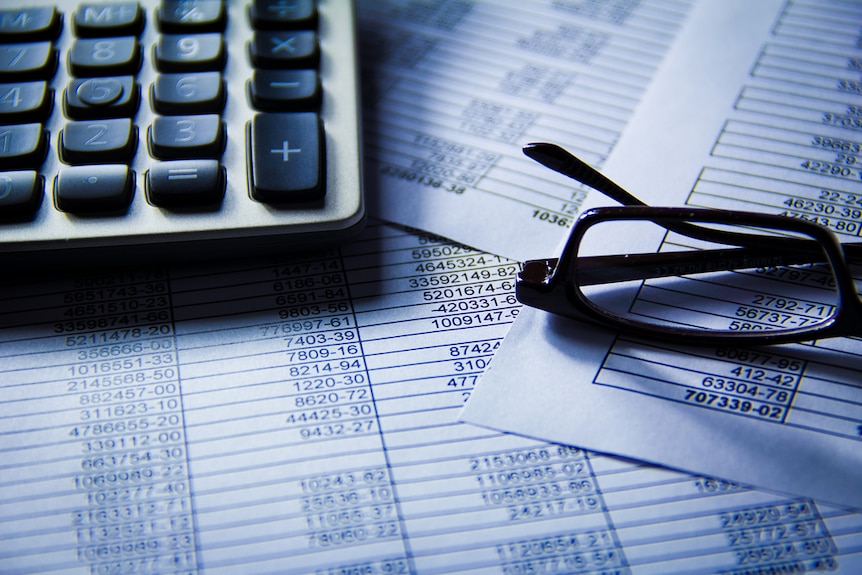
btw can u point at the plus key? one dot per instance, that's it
(285, 158)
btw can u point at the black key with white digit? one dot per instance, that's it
(197, 93)
(22, 146)
(20, 62)
(190, 53)
(187, 137)
(104, 56)
(20, 194)
(90, 98)
(23, 102)
(98, 141)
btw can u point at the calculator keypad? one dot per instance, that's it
(151, 115)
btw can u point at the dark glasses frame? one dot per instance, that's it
(554, 285)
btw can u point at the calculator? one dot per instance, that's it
(156, 130)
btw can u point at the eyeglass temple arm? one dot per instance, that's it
(538, 280)
(558, 159)
(594, 270)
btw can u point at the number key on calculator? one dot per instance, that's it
(153, 130)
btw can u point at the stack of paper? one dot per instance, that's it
(305, 415)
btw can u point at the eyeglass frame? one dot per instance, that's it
(553, 284)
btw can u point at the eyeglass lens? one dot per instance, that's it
(757, 292)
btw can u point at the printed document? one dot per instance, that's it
(772, 126)
(299, 416)
(454, 89)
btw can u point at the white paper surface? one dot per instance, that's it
(453, 90)
(760, 126)
(300, 416)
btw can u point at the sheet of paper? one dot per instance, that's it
(299, 416)
(771, 126)
(454, 89)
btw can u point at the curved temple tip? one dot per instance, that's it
(556, 158)
(549, 155)
(560, 160)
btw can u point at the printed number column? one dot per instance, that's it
(525, 507)
(134, 514)
(331, 399)
(283, 433)
(786, 536)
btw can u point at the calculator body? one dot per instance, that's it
(226, 195)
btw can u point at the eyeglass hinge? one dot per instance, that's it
(538, 271)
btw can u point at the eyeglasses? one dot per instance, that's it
(721, 277)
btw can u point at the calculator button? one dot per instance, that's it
(90, 189)
(291, 49)
(285, 157)
(29, 24)
(90, 98)
(190, 52)
(20, 194)
(185, 183)
(100, 92)
(186, 137)
(102, 19)
(274, 90)
(22, 146)
(99, 141)
(283, 14)
(35, 61)
(191, 16)
(202, 93)
(104, 56)
(25, 102)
